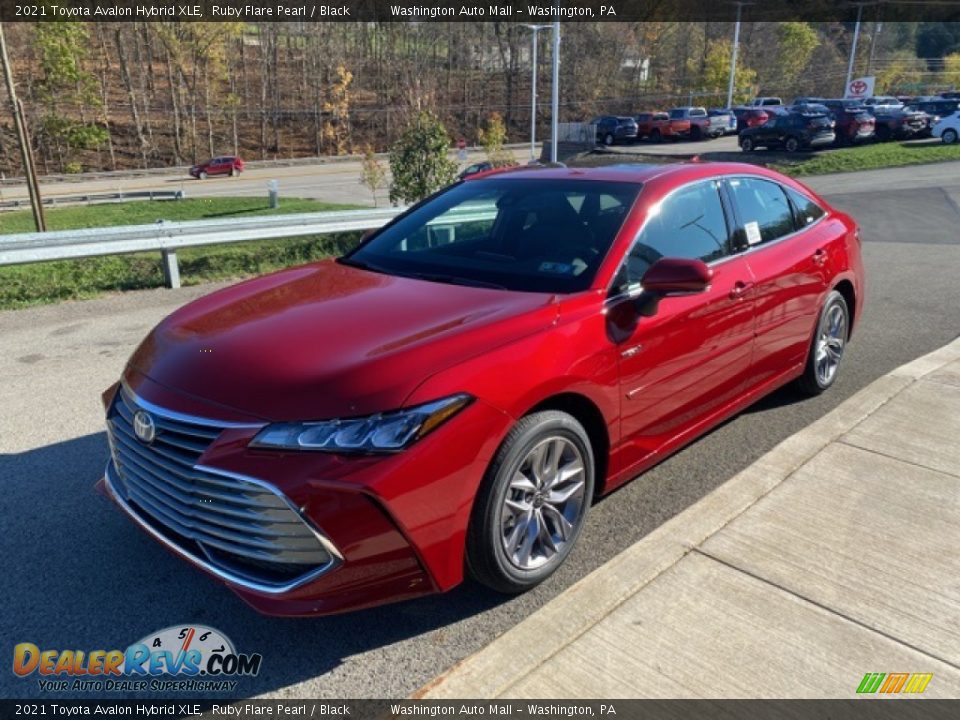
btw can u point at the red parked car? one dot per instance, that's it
(226, 165)
(451, 396)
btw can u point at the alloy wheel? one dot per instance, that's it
(830, 343)
(544, 503)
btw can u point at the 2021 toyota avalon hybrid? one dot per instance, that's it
(449, 397)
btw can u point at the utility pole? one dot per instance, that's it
(877, 27)
(533, 91)
(853, 50)
(19, 121)
(555, 92)
(733, 58)
(735, 52)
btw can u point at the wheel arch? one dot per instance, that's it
(586, 412)
(845, 288)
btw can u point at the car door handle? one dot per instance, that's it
(740, 289)
(820, 256)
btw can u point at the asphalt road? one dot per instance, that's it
(335, 180)
(76, 574)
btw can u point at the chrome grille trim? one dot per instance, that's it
(238, 528)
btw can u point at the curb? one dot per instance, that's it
(569, 615)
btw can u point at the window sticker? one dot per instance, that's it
(753, 233)
(557, 268)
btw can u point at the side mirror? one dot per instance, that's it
(671, 276)
(677, 276)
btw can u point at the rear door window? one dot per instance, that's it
(806, 210)
(763, 211)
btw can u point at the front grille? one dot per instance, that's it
(240, 526)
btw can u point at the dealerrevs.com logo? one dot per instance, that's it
(188, 658)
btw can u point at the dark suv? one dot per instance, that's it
(612, 129)
(800, 128)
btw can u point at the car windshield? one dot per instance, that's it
(516, 234)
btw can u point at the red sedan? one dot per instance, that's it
(451, 396)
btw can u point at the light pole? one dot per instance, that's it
(733, 57)
(533, 90)
(555, 92)
(853, 49)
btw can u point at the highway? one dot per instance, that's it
(77, 574)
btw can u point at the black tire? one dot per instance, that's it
(746, 144)
(812, 382)
(883, 134)
(655, 136)
(608, 139)
(696, 133)
(949, 136)
(791, 145)
(487, 560)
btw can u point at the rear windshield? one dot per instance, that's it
(528, 235)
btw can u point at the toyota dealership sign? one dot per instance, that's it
(860, 88)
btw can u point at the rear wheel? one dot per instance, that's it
(234, 172)
(696, 133)
(746, 144)
(203, 175)
(608, 139)
(532, 503)
(826, 348)
(791, 144)
(949, 137)
(655, 136)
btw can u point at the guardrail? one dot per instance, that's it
(168, 237)
(118, 196)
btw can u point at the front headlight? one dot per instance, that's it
(384, 432)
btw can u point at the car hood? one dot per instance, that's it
(327, 340)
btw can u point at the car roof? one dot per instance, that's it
(638, 173)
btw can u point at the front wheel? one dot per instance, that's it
(655, 136)
(746, 145)
(203, 175)
(532, 503)
(949, 137)
(826, 348)
(792, 144)
(608, 139)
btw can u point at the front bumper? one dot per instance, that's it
(396, 524)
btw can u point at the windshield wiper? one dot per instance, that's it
(363, 265)
(453, 280)
(430, 277)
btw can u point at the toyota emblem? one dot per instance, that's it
(144, 427)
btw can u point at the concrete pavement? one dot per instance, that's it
(834, 555)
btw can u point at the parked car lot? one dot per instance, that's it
(854, 122)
